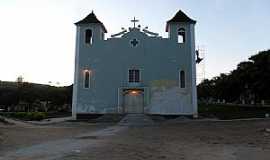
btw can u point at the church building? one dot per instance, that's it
(135, 70)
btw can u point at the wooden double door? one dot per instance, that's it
(133, 101)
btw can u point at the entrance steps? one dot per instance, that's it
(136, 120)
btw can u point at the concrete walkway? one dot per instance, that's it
(36, 123)
(136, 120)
(17, 122)
(50, 121)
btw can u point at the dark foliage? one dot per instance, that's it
(249, 81)
(14, 93)
(232, 112)
(27, 116)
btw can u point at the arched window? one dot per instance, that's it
(182, 79)
(88, 36)
(86, 79)
(181, 35)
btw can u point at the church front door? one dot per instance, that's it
(133, 101)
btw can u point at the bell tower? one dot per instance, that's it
(90, 29)
(89, 32)
(180, 28)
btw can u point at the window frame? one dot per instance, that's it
(182, 78)
(134, 75)
(84, 79)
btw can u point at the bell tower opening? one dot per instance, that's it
(88, 36)
(181, 35)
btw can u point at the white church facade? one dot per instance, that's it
(135, 71)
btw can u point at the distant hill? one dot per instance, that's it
(12, 93)
(15, 84)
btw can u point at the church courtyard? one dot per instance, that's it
(172, 139)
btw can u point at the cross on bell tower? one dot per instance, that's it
(134, 20)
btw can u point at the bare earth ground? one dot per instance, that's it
(191, 140)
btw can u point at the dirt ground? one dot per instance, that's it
(191, 140)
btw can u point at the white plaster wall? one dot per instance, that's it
(109, 60)
(170, 101)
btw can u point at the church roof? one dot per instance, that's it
(181, 17)
(91, 18)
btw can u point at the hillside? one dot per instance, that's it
(14, 93)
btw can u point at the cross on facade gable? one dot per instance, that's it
(134, 42)
(134, 21)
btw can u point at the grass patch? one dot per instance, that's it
(226, 112)
(58, 114)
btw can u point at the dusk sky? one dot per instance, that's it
(37, 37)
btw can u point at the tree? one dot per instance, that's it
(250, 80)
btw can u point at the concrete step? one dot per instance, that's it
(110, 118)
(136, 120)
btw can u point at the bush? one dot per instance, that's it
(19, 115)
(38, 116)
(29, 116)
